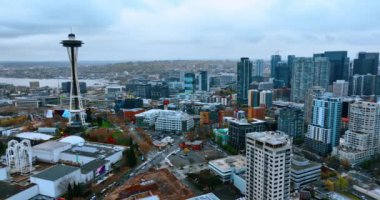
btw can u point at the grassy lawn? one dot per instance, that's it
(106, 124)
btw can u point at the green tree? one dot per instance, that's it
(333, 162)
(131, 157)
(219, 140)
(3, 148)
(70, 194)
(341, 184)
(99, 120)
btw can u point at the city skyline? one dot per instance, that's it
(184, 29)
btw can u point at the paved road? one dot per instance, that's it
(154, 158)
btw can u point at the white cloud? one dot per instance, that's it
(187, 29)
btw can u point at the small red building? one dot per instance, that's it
(195, 145)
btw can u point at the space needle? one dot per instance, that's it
(77, 112)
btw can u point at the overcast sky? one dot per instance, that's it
(186, 29)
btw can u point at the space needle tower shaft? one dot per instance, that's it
(76, 108)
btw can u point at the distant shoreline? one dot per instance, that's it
(51, 82)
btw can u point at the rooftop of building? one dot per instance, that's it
(222, 130)
(159, 183)
(229, 163)
(132, 109)
(244, 121)
(366, 103)
(208, 196)
(50, 145)
(7, 189)
(273, 138)
(162, 113)
(288, 104)
(301, 163)
(56, 172)
(93, 165)
(94, 150)
(34, 136)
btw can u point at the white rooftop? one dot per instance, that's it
(73, 140)
(208, 196)
(34, 136)
(49, 145)
(270, 137)
(229, 163)
(162, 113)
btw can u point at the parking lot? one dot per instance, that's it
(196, 157)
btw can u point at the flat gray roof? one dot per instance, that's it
(93, 165)
(55, 172)
(92, 150)
(50, 145)
(7, 190)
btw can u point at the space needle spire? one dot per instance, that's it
(77, 112)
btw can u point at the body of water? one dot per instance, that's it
(54, 83)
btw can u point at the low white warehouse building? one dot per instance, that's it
(49, 151)
(53, 182)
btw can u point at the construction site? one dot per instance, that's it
(155, 184)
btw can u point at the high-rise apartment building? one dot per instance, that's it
(244, 78)
(308, 72)
(321, 72)
(253, 98)
(189, 80)
(366, 63)
(268, 157)
(302, 78)
(313, 92)
(203, 82)
(266, 98)
(324, 130)
(283, 73)
(273, 64)
(259, 68)
(362, 139)
(339, 61)
(340, 88)
(291, 121)
(362, 85)
(238, 129)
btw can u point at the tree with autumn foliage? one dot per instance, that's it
(191, 135)
(345, 164)
(144, 147)
(329, 185)
(144, 135)
(13, 121)
(48, 122)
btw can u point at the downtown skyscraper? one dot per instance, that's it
(259, 68)
(366, 63)
(244, 79)
(291, 122)
(306, 73)
(273, 64)
(362, 139)
(339, 62)
(268, 157)
(324, 130)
